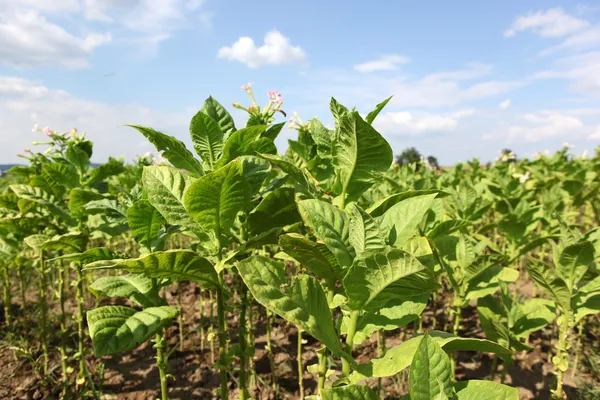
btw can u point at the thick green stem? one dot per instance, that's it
(43, 312)
(577, 348)
(349, 342)
(494, 368)
(63, 322)
(7, 296)
(201, 312)
(251, 343)
(562, 354)
(300, 366)
(80, 321)
(211, 328)
(180, 317)
(270, 354)
(22, 287)
(161, 363)
(222, 338)
(380, 353)
(322, 369)
(243, 395)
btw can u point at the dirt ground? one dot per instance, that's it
(133, 376)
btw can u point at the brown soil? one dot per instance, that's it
(133, 375)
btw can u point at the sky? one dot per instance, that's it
(468, 77)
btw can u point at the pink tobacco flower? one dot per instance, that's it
(47, 131)
(275, 96)
(247, 86)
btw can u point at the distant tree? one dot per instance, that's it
(408, 156)
(433, 162)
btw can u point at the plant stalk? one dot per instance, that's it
(222, 338)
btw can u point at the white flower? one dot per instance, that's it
(36, 128)
(247, 86)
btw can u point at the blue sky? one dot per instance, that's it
(468, 77)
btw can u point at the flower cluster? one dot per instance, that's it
(523, 177)
(265, 115)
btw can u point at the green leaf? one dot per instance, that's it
(556, 287)
(447, 227)
(207, 138)
(115, 329)
(215, 199)
(393, 315)
(360, 155)
(381, 206)
(256, 170)
(384, 275)
(145, 222)
(531, 316)
(276, 210)
(60, 174)
(36, 241)
(331, 226)
(314, 256)
(173, 264)
(303, 179)
(574, 261)
(401, 220)
(137, 288)
(321, 136)
(337, 110)
(39, 196)
(89, 256)
(216, 111)
(72, 242)
(303, 304)
(78, 156)
(477, 390)
(400, 357)
(110, 168)
(273, 131)
(246, 141)
(373, 114)
(365, 234)
(350, 392)
(78, 198)
(172, 149)
(430, 372)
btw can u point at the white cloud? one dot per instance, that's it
(595, 135)
(505, 104)
(551, 23)
(582, 70)
(24, 103)
(29, 39)
(276, 50)
(31, 34)
(385, 63)
(415, 123)
(545, 125)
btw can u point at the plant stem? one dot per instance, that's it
(577, 348)
(201, 311)
(562, 354)
(211, 327)
(222, 338)
(322, 369)
(494, 368)
(380, 353)
(22, 285)
(349, 342)
(180, 317)
(270, 354)
(7, 295)
(43, 312)
(162, 364)
(300, 366)
(63, 323)
(80, 318)
(243, 395)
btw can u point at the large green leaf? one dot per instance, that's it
(215, 199)
(111, 168)
(216, 111)
(400, 221)
(350, 392)
(207, 138)
(400, 357)
(360, 155)
(255, 169)
(145, 222)
(331, 226)
(172, 264)
(303, 304)
(556, 287)
(246, 141)
(277, 209)
(36, 241)
(166, 187)
(115, 329)
(134, 287)
(39, 196)
(71, 242)
(365, 234)
(305, 182)
(78, 198)
(373, 114)
(430, 372)
(574, 261)
(392, 316)
(314, 256)
(89, 256)
(172, 149)
(381, 206)
(532, 315)
(478, 390)
(384, 275)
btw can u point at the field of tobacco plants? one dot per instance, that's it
(231, 271)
